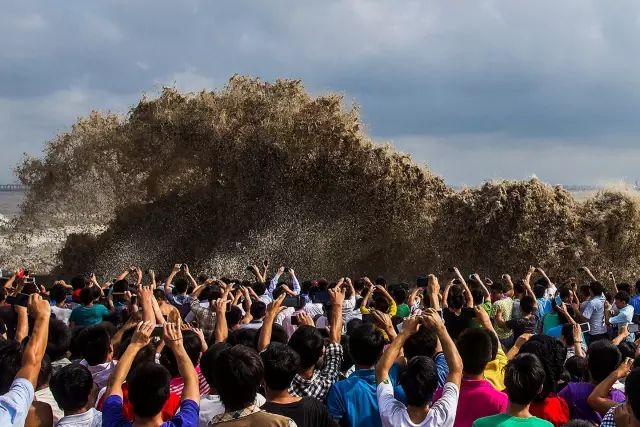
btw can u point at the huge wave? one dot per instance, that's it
(220, 179)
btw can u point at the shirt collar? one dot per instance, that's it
(234, 415)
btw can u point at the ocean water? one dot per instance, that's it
(9, 202)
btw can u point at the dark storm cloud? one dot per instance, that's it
(476, 80)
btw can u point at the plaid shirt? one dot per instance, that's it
(609, 420)
(205, 316)
(321, 381)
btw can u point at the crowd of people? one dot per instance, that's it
(274, 351)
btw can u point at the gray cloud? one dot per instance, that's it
(550, 85)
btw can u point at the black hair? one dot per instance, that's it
(209, 359)
(455, 299)
(86, 296)
(78, 282)
(305, 286)
(497, 287)
(419, 380)
(632, 391)
(259, 288)
(59, 339)
(399, 295)
(95, 343)
(281, 364)
(238, 372)
(181, 285)
(159, 295)
(602, 358)
(539, 290)
(627, 349)
(523, 377)
(567, 333)
(148, 389)
(121, 286)
(201, 278)
(381, 281)
(422, 343)
(552, 354)
(352, 324)
(71, 387)
(638, 287)
(58, 293)
(518, 287)
(10, 363)
(579, 423)
(192, 346)
(366, 343)
(596, 288)
(258, 309)
(243, 336)
(474, 346)
(3, 294)
(622, 296)
(624, 287)
(381, 303)
(309, 344)
(278, 334)
(233, 316)
(576, 366)
(478, 295)
(527, 304)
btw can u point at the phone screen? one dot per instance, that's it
(632, 327)
(157, 331)
(558, 301)
(295, 321)
(585, 327)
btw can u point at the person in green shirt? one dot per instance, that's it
(89, 313)
(523, 378)
(399, 294)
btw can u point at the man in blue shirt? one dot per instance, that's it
(635, 300)
(625, 313)
(354, 400)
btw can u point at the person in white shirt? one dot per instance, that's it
(594, 313)
(420, 380)
(72, 387)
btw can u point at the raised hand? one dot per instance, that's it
(304, 319)
(336, 295)
(410, 325)
(172, 335)
(38, 308)
(142, 334)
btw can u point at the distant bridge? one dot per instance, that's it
(12, 187)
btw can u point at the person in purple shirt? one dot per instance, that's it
(149, 384)
(603, 358)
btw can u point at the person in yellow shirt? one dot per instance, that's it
(494, 371)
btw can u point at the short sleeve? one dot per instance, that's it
(389, 407)
(104, 311)
(443, 412)
(588, 310)
(442, 368)
(72, 317)
(112, 414)
(187, 414)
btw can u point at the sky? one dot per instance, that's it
(477, 90)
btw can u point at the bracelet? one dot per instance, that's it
(579, 342)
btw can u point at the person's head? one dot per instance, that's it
(59, 339)
(519, 289)
(148, 389)
(621, 299)
(626, 287)
(399, 295)
(602, 358)
(627, 349)
(523, 378)
(192, 346)
(455, 299)
(528, 305)
(474, 346)
(71, 387)
(632, 391)
(478, 295)
(552, 353)
(309, 344)
(366, 343)
(209, 359)
(238, 373)
(202, 278)
(419, 380)
(181, 285)
(565, 295)
(539, 290)
(259, 288)
(596, 289)
(96, 345)
(637, 287)
(381, 281)
(86, 296)
(381, 303)
(10, 363)
(78, 282)
(576, 366)
(422, 343)
(584, 292)
(3, 294)
(497, 291)
(159, 295)
(281, 364)
(233, 316)
(278, 334)
(258, 309)
(243, 336)
(58, 293)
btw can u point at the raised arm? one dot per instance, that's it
(173, 340)
(599, 397)
(433, 289)
(588, 273)
(190, 277)
(221, 330)
(295, 284)
(392, 352)
(34, 351)
(265, 269)
(432, 321)
(485, 292)
(445, 293)
(172, 275)
(336, 296)
(140, 338)
(267, 325)
(527, 282)
(145, 295)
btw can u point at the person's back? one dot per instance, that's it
(602, 358)
(524, 376)
(478, 397)
(353, 401)
(72, 388)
